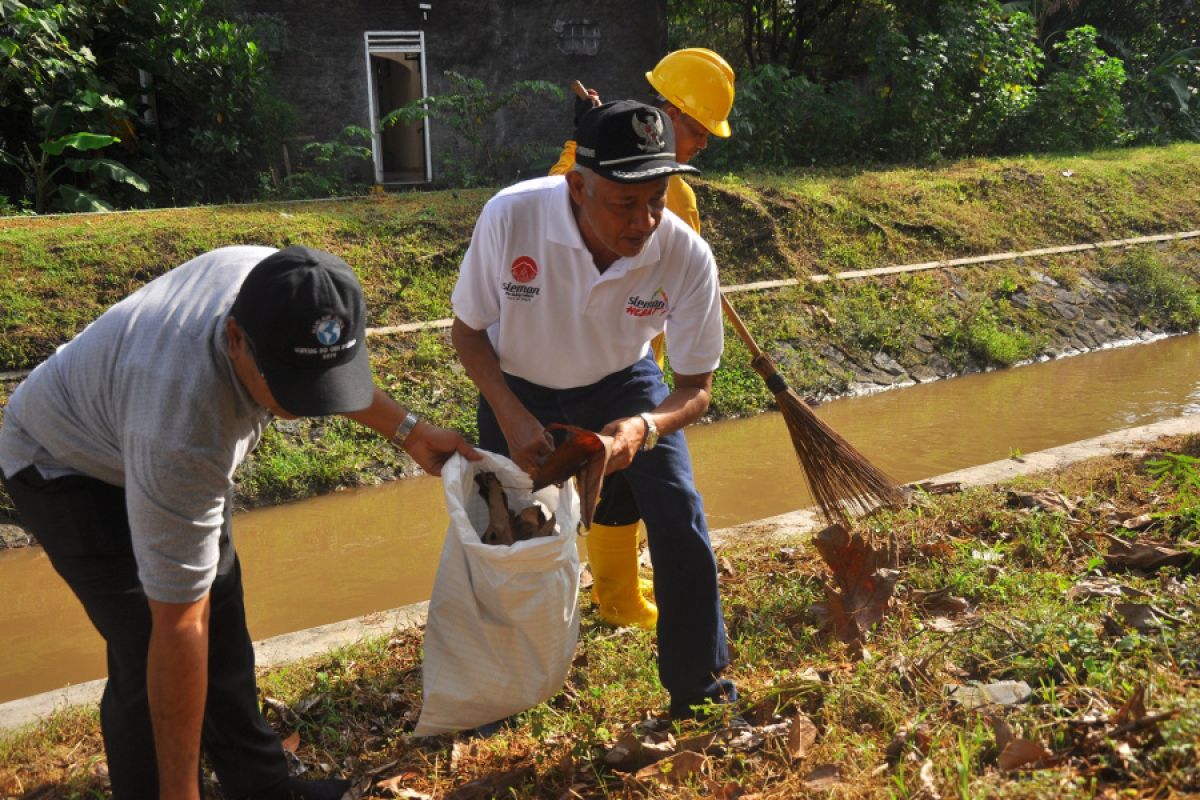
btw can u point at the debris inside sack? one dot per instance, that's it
(505, 527)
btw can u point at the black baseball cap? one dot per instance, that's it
(304, 313)
(628, 142)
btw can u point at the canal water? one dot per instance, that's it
(354, 552)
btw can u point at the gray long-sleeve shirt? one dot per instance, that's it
(146, 398)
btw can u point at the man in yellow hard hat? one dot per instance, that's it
(695, 88)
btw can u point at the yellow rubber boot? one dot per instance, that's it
(613, 556)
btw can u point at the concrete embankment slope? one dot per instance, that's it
(314, 641)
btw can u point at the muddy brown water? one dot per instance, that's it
(354, 552)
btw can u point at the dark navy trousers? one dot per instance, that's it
(692, 650)
(82, 525)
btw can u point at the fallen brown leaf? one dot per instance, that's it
(292, 742)
(1145, 556)
(396, 787)
(862, 585)
(1001, 730)
(1021, 752)
(801, 737)
(933, 487)
(1139, 523)
(675, 769)
(1095, 587)
(947, 625)
(723, 791)
(940, 603)
(492, 785)
(823, 778)
(634, 750)
(1042, 499)
(938, 549)
(1133, 709)
(1139, 616)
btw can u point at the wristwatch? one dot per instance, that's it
(651, 437)
(410, 421)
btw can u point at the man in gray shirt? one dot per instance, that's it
(119, 453)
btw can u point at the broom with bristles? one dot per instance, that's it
(841, 478)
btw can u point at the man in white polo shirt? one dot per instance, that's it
(566, 281)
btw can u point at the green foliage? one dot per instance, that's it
(959, 90)
(181, 92)
(781, 120)
(918, 81)
(1164, 297)
(327, 169)
(217, 117)
(467, 109)
(60, 101)
(1180, 473)
(1079, 106)
(1163, 99)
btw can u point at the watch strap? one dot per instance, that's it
(651, 437)
(406, 425)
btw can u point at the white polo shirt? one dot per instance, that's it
(555, 320)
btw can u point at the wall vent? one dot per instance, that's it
(578, 37)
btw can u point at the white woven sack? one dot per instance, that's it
(503, 620)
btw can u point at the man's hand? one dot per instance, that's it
(686, 404)
(627, 434)
(585, 101)
(431, 447)
(177, 686)
(528, 441)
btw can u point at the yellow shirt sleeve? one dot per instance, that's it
(566, 160)
(682, 201)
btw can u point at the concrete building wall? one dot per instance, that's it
(320, 63)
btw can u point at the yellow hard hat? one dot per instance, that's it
(699, 83)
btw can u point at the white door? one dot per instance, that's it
(396, 76)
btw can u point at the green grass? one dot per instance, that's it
(1165, 296)
(881, 717)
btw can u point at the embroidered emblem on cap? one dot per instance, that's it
(649, 128)
(328, 330)
(524, 269)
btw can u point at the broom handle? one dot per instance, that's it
(740, 327)
(759, 361)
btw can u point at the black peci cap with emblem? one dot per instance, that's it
(304, 313)
(628, 142)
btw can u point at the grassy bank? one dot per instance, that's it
(1022, 585)
(56, 274)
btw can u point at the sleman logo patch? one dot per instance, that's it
(635, 306)
(524, 269)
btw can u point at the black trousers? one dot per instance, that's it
(83, 527)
